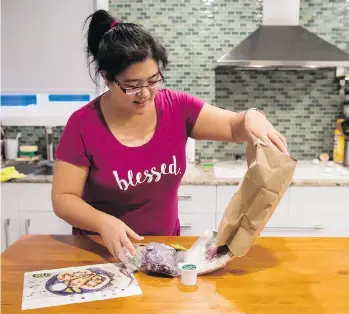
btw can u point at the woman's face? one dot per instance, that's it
(136, 100)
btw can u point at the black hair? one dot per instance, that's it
(113, 49)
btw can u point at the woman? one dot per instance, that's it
(121, 157)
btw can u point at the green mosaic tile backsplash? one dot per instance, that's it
(303, 105)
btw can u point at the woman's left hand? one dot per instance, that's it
(257, 127)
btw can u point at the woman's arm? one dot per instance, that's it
(218, 124)
(67, 189)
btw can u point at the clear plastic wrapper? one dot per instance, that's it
(132, 263)
(206, 255)
(163, 259)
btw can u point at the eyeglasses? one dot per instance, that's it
(138, 89)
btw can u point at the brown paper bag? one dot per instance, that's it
(268, 177)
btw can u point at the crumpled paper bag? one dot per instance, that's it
(268, 177)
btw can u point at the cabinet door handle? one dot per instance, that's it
(313, 227)
(6, 224)
(186, 225)
(185, 197)
(27, 225)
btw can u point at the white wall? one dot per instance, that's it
(42, 46)
(281, 12)
(42, 51)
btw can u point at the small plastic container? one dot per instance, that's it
(189, 273)
(11, 149)
(28, 150)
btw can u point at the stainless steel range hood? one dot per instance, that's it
(284, 46)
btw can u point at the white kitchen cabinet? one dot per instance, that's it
(27, 209)
(193, 199)
(34, 197)
(36, 215)
(42, 223)
(316, 225)
(196, 224)
(9, 215)
(224, 195)
(304, 211)
(314, 211)
(319, 200)
(334, 225)
(324, 211)
(197, 207)
(294, 226)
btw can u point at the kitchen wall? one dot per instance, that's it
(48, 55)
(303, 105)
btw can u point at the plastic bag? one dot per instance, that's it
(133, 263)
(206, 255)
(163, 259)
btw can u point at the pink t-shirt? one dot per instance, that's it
(138, 185)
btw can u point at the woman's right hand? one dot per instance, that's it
(115, 234)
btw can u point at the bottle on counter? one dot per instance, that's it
(339, 144)
(346, 153)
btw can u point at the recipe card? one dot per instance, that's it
(77, 284)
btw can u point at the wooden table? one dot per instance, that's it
(278, 275)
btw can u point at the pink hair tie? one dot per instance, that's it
(114, 23)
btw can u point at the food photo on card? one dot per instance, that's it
(77, 284)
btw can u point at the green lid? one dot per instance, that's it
(188, 267)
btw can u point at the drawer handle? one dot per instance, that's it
(27, 225)
(185, 197)
(6, 224)
(314, 227)
(186, 225)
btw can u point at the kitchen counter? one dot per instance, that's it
(278, 275)
(306, 175)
